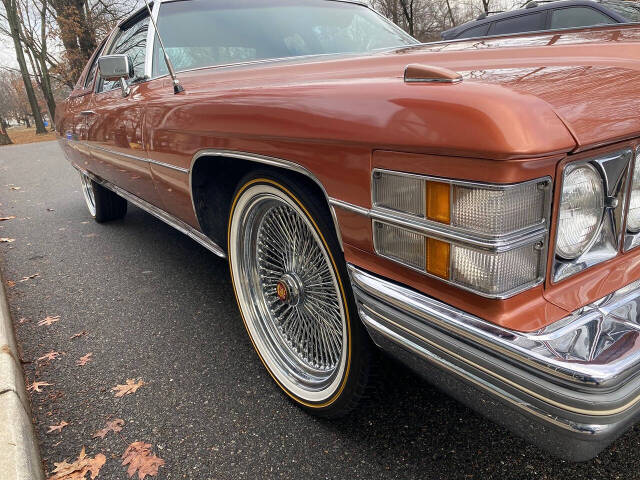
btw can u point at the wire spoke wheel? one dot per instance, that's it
(87, 191)
(289, 293)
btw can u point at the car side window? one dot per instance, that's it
(578, 17)
(479, 31)
(131, 41)
(523, 23)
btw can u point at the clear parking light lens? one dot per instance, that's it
(399, 192)
(493, 211)
(581, 211)
(399, 244)
(633, 217)
(496, 273)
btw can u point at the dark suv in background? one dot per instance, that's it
(553, 15)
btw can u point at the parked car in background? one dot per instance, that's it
(472, 209)
(553, 15)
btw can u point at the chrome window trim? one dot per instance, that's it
(466, 235)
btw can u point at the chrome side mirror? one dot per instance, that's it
(116, 67)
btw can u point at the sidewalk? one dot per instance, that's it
(19, 454)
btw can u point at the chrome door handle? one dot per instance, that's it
(87, 112)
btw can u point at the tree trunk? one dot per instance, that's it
(4, 136)
(14, 27)
(76, 33)
(42, 58)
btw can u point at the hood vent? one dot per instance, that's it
(416, 73)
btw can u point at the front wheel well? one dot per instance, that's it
(214, 180)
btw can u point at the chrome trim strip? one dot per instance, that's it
(169, 219)
(370, 322)
(133, 157)
(265, 160)
(558, 352)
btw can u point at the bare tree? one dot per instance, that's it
(13, 19)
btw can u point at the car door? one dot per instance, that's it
(114, 126)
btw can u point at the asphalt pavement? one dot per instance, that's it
(158, 307)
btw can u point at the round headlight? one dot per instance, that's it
(633, 217)
(581, 211)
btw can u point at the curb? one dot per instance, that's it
(19, 453)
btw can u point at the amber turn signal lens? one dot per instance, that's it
(438, 202)
(438, 257)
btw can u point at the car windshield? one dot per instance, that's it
(201, 33)
(629, 10)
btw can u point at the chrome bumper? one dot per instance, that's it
(571, 388)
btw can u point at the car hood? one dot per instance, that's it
(522, 96)
(591, 78)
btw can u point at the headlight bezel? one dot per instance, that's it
(613, 167)
(632, 236)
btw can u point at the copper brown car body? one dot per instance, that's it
(526, 107)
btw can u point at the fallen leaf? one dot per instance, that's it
(49, 356)
(36, 386)
(140, 459)
(7, 240)
(84, 360)
(51, 209)
(48, 320)
(4, 219)
(11, 283)
(30, 277)
(114, 425)
(13, 187)
(57, 428)
(78, 469)
(23, 320)
(79, 334)
(130, 387)
(90, 235)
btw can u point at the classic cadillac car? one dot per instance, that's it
(470, 207)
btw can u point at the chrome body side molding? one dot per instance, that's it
(571, 388)
(265, 160)
(128, 156)
(169, 219)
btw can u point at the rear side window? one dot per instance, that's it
(578, 17)
(131, 41)
(523, 23)
(479, 31)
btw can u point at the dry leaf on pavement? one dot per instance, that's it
(48, 320)
(79, 334)
(13, 187)
(84, 360)
(57, 428)
(10, 217)
(140, 459)
(11, 283)
(30, 277)
(49, 356)
(130, 387)
(35, 386)
(23, 320)
(114, 425)
(78, 469)
(7, 240)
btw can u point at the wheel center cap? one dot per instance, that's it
(289, 289)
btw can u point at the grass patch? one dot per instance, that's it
(21, 135)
